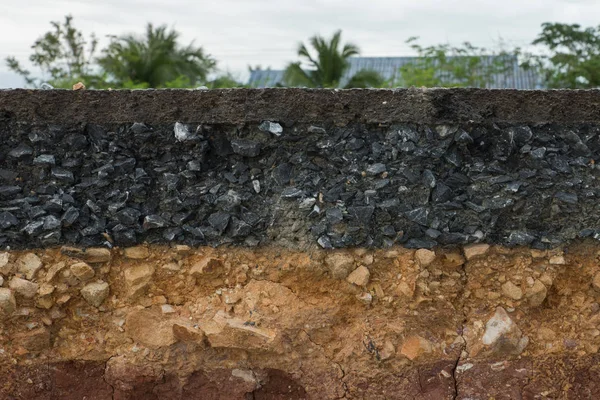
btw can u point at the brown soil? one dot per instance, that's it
(269, 323)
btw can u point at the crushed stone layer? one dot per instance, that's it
(298, 185)
(177, 322)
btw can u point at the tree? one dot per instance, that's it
(155, 59)
(453, 66)
(572, 58)
(327, 66)
(63, 55)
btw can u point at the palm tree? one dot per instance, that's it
(328, 66)
(154, 60)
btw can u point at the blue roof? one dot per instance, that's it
(515, 77)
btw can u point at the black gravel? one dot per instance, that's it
(360, 185)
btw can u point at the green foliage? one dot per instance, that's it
(572, 56)
(327, 65)
(155, 60)
(453, 66)
(63, 55)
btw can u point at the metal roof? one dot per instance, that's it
(515, 77)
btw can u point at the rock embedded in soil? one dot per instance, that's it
(95, 293)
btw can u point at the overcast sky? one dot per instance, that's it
(239, 33)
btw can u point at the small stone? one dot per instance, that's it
(8, 303)
(70, 216)
(453, 260)
(149, 329)
(182, 132)
(62, 174)
(256, 185)
(44, 159)
(186, 333)
(376, 169)
(153, 222)
(29, 264)
(7, 220)
(366, 297)
(5, 266)
(503, 335)
(219, 221)
(339, 264)
(167, 309)
(20, 151)
(512, 291)
(424, 257)
(79, 86)
(360, 276)
(596, 282)
(34, 341)
(97, 255)
(137, 278)
(246, 148)
(475, 250)
(272, 127)
(82, 271)
(415, 346)
(557, 260)
(23, 287)
(136, 253)
(316, 129)
(208, 265)
(95, 293)
(387, 351)
(536, 294)
(54, 269)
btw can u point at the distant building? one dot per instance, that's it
(515, 76)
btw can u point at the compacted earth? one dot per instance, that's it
(175, 322)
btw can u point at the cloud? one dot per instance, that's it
(266, 32)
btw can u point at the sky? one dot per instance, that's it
(239, 33)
